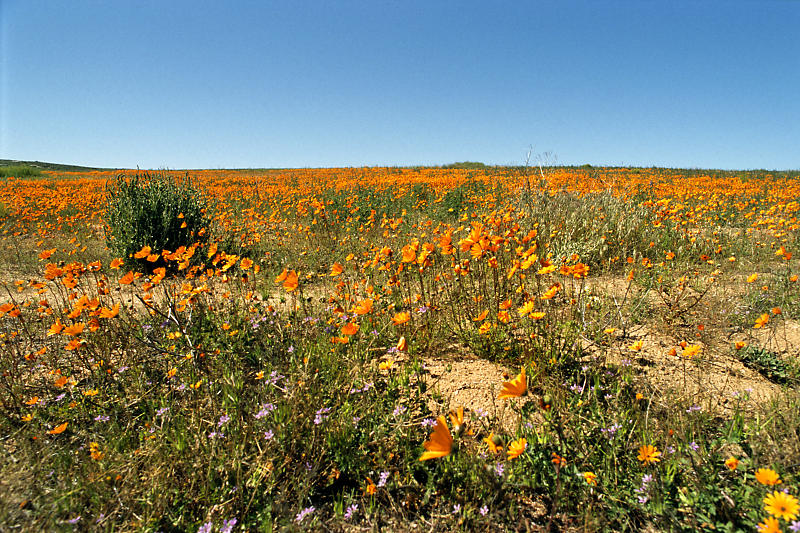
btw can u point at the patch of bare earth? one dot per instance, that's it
(465, 380)
(713, 379)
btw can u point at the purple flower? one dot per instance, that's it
(795, 526)
(399, 410)
(356, 420)
(693, 445)
(205, 528)
(428, 422)
(75, 520)
(484, 510)
(274, 377)
(304, 513)
(227, 525)
(499, 469)
(268, 434)
(101, 418)
(610, 431)
(384, 477)
(457, 508)
(350, 510)
(224, 419)
(266, 409)
(162, 411)
(321, 415)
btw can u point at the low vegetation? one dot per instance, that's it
(261, 350)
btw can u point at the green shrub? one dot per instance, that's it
(766, 363)
(20, 171)
(145, 210)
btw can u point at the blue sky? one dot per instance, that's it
(190, 84)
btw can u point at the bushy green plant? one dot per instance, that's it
(766, 363)
(20, 171)
(160, 211)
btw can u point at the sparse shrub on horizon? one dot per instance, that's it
(20, 171)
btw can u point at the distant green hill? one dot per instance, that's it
(48, 166)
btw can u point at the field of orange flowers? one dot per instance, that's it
(396, 348)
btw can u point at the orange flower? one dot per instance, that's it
(401, 318)
(351, 328)
(109, 313)
(649, 454)
(761, 321)
(752, 278)
(144, 252)
(526, 308)
(517, 448)
(440, 443)
(767, 476)
(457, 419)
(245, 263)
(56, 328)
(481, 316)
(781, 505)
(363, 307)
(636, 346)
(557, 459)
(494, 442)
(769, 525)
(127, 279)
(515, 388)
(409, 253)
(402, 345)
(691, 350)
(550, 292)
(46, 254)
(732, 463)
(58, 429)
(292, 281)
(590, 478)
(336, 269)
(74, 329)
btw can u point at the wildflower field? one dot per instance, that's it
(476, 349)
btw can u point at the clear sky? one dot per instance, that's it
(293, 83)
